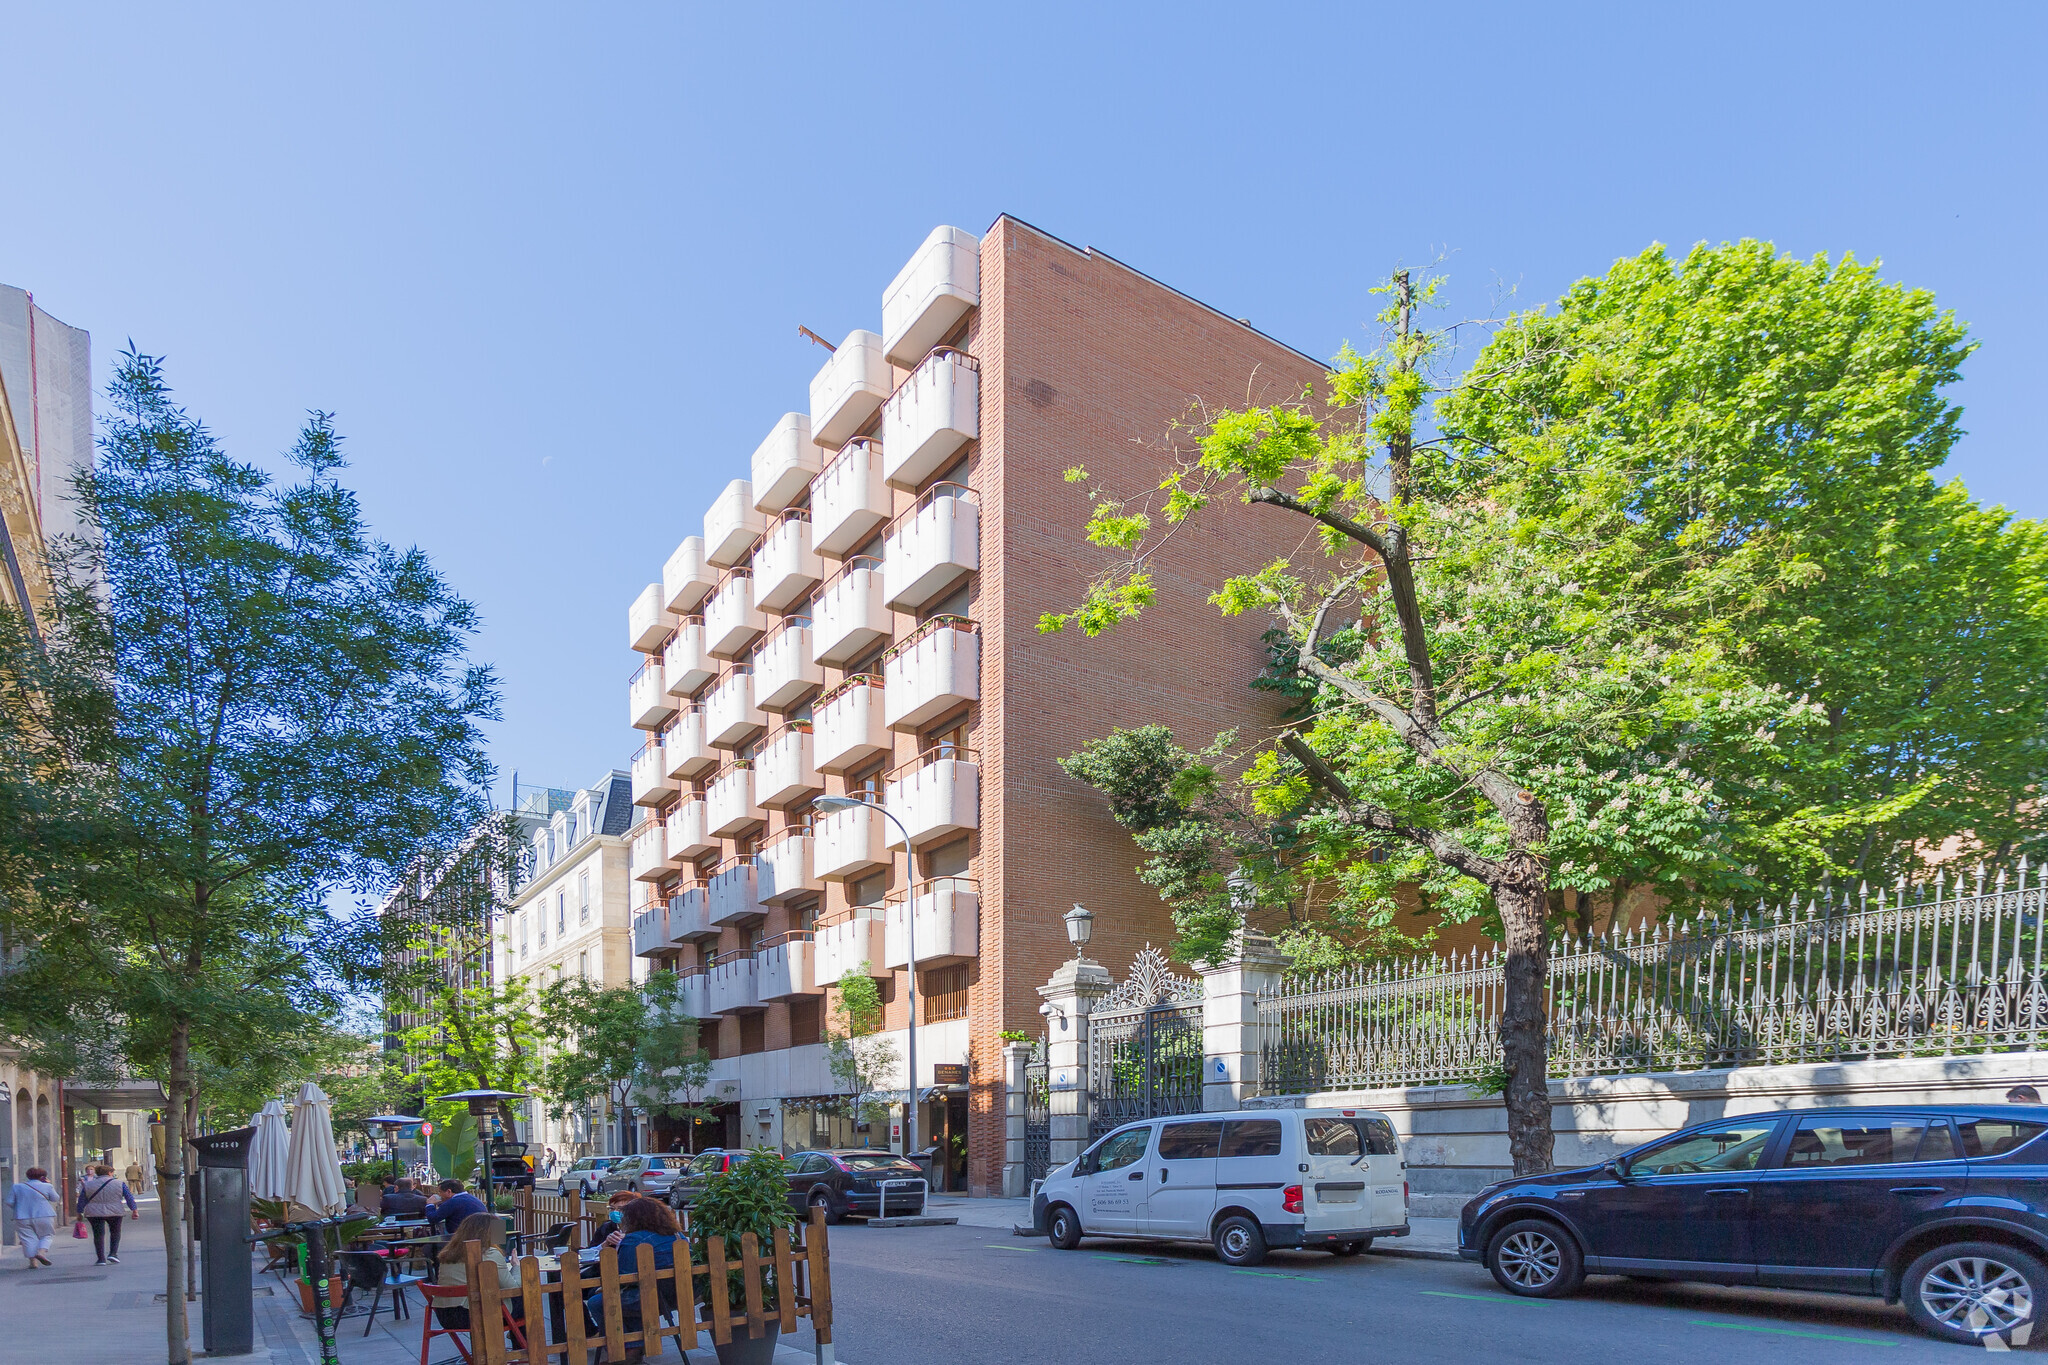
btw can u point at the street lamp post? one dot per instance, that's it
(830, 804)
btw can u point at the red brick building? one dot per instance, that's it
(859, 618)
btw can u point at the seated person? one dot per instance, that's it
(370, 1195)
(405, 1201)
(645, 1222)
(456, 1204)
(453, 1263)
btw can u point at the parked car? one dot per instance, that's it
(650, 1174)
(583, 1175)
(1244, 1182)
(854, 1180)
(1944, 1207)
(706, 1163)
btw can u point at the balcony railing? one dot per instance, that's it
(848, 389)
(783, 867)
(648, 704)
(689, 831)
(785, 566)
(784, 671)
(731, 620)
(730, 716)
(685, 664)
(931, 547)
(784, 462)
(849, 498)
(693, 994)
(850, 842)
(650, 932)
(735, 897)
(932, 670)
(689, 915)
(789, 966)
(684, 753)
(688, 578)
(932, 414)
(650, 857)
(848, 615)
(935, 794)
(729, 800)
(735, 983)
(946, 912)
(846, 940)
(732, 525)
(648, 622)
(652, 785)
(784, 773)
(847, 724)
(930, 295)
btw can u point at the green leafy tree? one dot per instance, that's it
(753, 1196)
(484, 1036)
(860, 1056)
(626, 1046)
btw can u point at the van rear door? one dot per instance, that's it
(1338, 1197)
(1389, 1187)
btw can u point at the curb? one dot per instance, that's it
(912, 1222)
(1415, 1253)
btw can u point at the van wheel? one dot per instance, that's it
(1351, 1248)
(1536, 1259)
(1973, 1292)
(1239, 1241)
(1062, 1228)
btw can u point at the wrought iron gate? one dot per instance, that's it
(1145, 1047)
(1037, 1114)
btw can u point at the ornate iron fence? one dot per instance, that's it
(1037, 1113)
(1937, 970)
(1145, 1047)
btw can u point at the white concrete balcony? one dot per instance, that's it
(731, 620)
(847, 725)
(931, 416)
(849, 498)
(649, 853)
(848, 390)
(844, 945)
(934, 795)
(684, 753)
(931, 547)
(732, 526)
(648, 622)
(689, 831)
(930, 295)
(688, 578)
(934, 669)
(783, 867)
(785, 567)
(730, 716)
(650, 931)
(784, 463)
(686, 664)
(789, 966)
(946, 913)
(784, 671)
(848, 843)
(783, 771)
(734, 898)
(693, 995)
(729, 802)
(652, 785)
(848, 616)
(689, 916)
(735, 984)
(648, 704)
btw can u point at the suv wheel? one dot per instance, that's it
(822, 1199)
(1536, 1259)
(1239, 1241)
(1972, 1292)
(1063, 1228)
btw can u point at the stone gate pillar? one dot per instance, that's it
(1232, 1041)
(1070, 997)
(1016, 1057)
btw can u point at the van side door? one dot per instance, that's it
(1251, 1171)
(1183, 1180)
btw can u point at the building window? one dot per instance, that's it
(583, 896)
(805, 915)
(870, 889)
(803, 1022)
(522, 933)
(947, 860)
(583, 965)
(945, 994)
(562, 911)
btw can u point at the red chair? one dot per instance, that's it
(443, 1296)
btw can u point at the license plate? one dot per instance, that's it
(1336, 1196)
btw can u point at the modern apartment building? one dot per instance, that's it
(858, 617)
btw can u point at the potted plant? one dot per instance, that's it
(752, 1196)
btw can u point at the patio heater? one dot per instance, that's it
(388, 1125)
(490, 1128)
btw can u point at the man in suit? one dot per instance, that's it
(406, 1201)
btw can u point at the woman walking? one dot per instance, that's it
(102, 1199)
(34, 1204)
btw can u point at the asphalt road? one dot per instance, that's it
(974, 1294)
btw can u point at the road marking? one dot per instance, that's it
(1794, 1332)
(1005, 1246)
(1134, 1260)
(1483, 1298)
(1278, 1275)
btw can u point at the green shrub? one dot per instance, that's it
(751, 1197)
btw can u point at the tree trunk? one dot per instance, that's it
(171, 1195)
(1524, 1027)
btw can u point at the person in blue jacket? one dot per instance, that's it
(645, 1222)
(456, 1204)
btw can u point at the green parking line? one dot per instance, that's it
(1005, 1246)
(1134, 1260)
(1278, 1275)
(1483, 1298)
(1794, 1332)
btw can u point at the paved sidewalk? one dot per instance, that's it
(1428, 1239)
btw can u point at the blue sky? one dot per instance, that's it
(547, 264)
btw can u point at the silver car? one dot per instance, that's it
(584, 1175)
(651, 1174)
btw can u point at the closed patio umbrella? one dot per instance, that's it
(312, 1169)
(269, 1167)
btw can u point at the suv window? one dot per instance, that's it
(1879, 1140)
(1121, 1149)
(1996, 1137)
(1190, 1141)
(1251, 1137)
(1727, 1147)
(705, 1164)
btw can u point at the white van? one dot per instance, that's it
(1243, 1182)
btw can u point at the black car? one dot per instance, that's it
(854, 1180)
(702, 1166)
(1945, 1207)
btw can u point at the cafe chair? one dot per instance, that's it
(368, 1270)
(558, 1237)
(445, 1300)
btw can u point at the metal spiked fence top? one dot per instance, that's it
(1945, 968)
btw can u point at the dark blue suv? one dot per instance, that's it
(1945, 1207)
